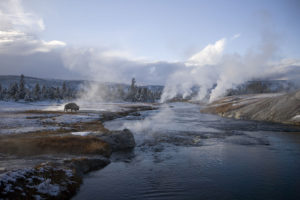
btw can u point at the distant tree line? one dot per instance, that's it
(18, 91)
(141, 94)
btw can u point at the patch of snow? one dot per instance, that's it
(14, 175)
(38, 197)
(21, 106)
(68, 172)
(21, 123)
(296, 118)
(68, 119)
(47, 188)
(18, 188)
(81, 133)
(8, 188)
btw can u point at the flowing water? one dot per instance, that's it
(183, 154)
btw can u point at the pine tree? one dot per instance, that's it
(28, 95)
(133, 90)
(64, 90)
(1, 94)
(57, 93)
(44, 92)
(133, 87)
(51, 93)
(13, 91)
(22, 87)
(5, 94)
(37, 91)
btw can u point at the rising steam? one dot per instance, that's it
(214, 72)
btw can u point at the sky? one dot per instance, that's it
(150, 40)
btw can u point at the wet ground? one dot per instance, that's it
(183, 154)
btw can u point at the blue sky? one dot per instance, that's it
(151, 40)
(170, 30)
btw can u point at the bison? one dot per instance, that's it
(71, 106)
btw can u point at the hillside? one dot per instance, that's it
(30, 82)
(264, 86)
(277, 107)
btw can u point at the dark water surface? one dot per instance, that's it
(183, 154)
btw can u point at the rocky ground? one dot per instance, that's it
(278, 108)
(78, 139)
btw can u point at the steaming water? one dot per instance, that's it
(189, 155)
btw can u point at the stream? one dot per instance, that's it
(184, 154)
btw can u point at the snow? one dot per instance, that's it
(69, 172)
(38, 197)
(81, 133)
(69, 119)
(34, 178)
(14, 175)
(13, 119)
(22, 123)
(47, 188)
(296, 118)
(22, 106)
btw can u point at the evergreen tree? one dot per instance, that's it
(133, 90)
(51, 93)
(5, 94)
(28, 95)
(37, 91)
(13, 91)
(57, 93)
(64, 90)
(133, 87)
(1, 94)
(44, 92)
(22, 87)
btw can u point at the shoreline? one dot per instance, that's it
(62, 141)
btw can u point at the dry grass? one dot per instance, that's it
(47, 112)
(95, 125)
(66, 144)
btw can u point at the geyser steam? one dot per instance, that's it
(214, 72)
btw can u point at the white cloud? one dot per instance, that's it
(210, 55)
(19, 31)
(102, 65)
(236, 36)
(13, 16)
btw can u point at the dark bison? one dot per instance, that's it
(71, 106)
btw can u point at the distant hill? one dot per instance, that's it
(30, 82)
(263, 86)
(278, 107)
(7, 80)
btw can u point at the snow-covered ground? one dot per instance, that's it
(59, 106)
(14, 119)
(21, 106)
